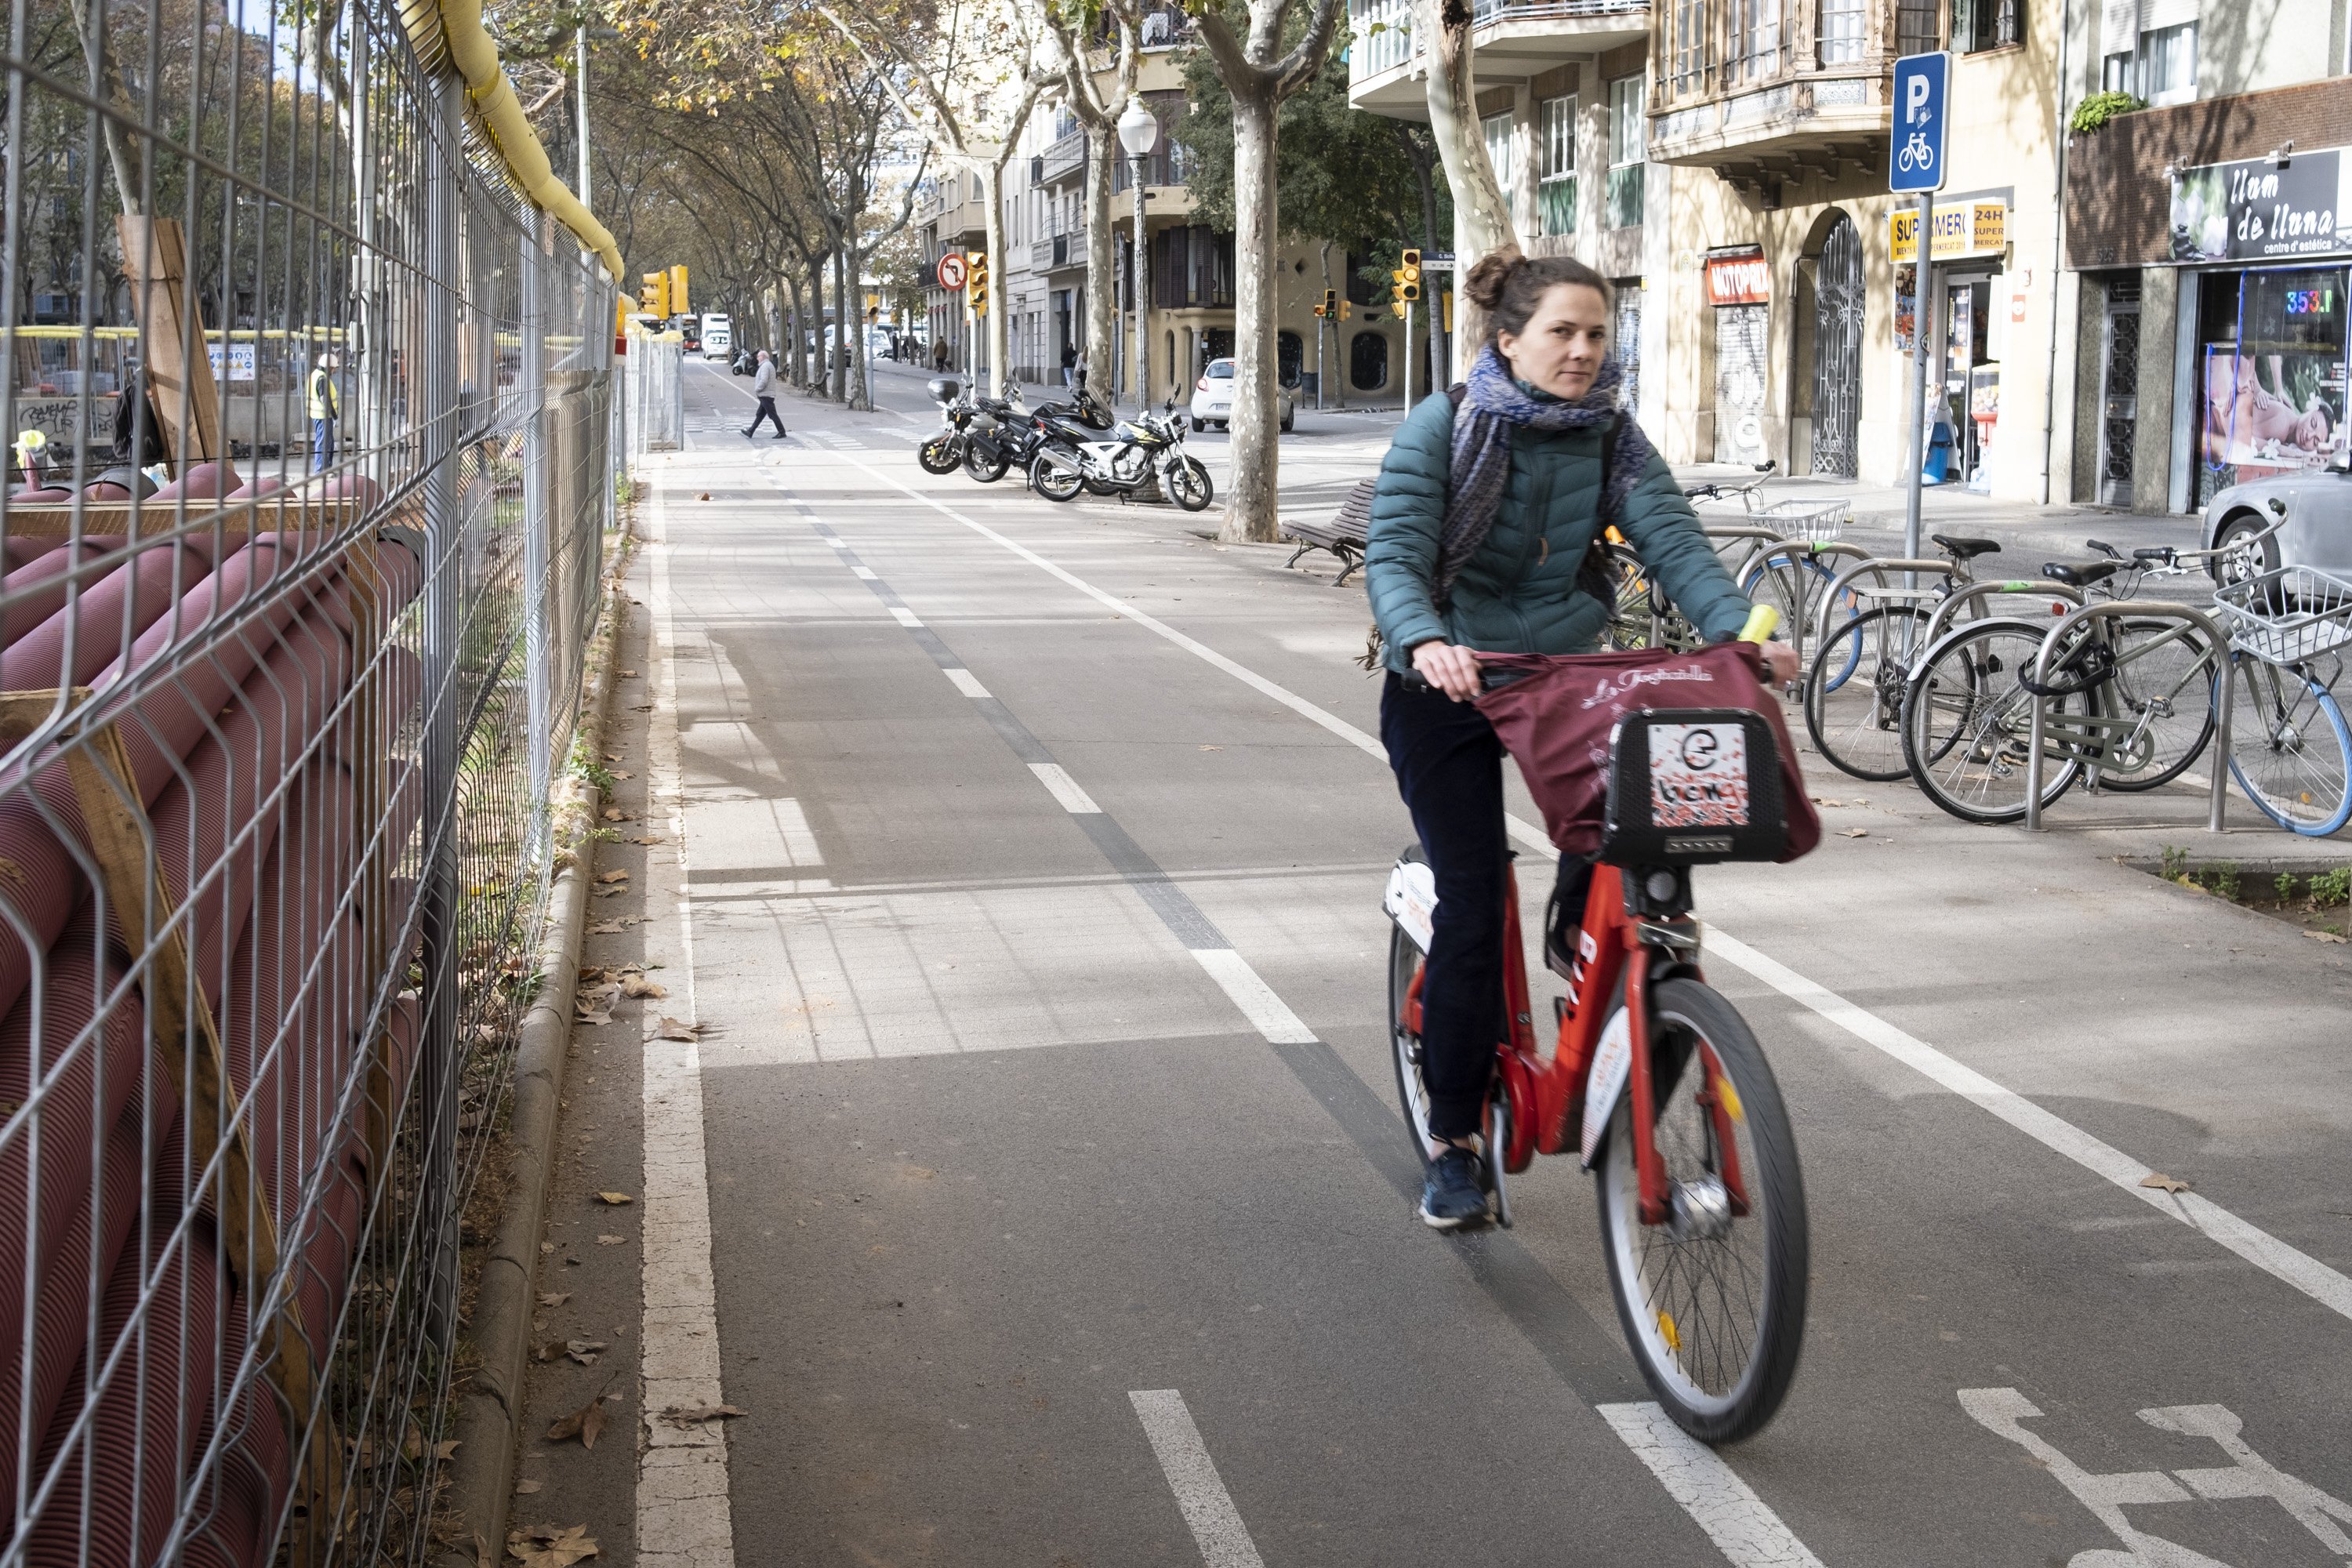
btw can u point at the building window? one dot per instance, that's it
(1841, 31)
(1625, 152)
(1690, 50)
(1918, 26)
(1978, 25)
(1368, 361)
(1755, 39)
(1500, 142)
(1558, 192)
(2167, 64)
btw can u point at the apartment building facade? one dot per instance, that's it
(2208, 248)
(1189, 317)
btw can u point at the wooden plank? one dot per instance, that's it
(286, 512)
(155, 262)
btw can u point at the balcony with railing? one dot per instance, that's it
(1764, 90)
(1509, 37)
(1063, 158)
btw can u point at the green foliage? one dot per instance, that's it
(584, 766)
(1340, 174)
(2285, 886)
(2219, 878)
(2329, 888)
(2101, 107)
(2176, 863)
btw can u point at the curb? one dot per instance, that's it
(473, 1504)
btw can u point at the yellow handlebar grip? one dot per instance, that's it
(1761, 620)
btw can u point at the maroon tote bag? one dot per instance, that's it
(1557, 717)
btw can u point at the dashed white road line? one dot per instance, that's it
(684, 1517)
(1216, 1524)
(1064, 789)
(1267, 1013)
(2286, 1263)
(1750, 1534)
(963, 680)
(904, 616)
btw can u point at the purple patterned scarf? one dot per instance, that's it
(1495, 405)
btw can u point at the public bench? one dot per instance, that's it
(1343, 535)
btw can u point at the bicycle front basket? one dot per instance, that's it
(1691, 787)
(2288, 615)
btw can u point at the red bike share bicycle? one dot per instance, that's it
(1653, 1080)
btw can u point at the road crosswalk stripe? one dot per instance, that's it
(1064, 789)
(1750, 1534)
(1266, 1012)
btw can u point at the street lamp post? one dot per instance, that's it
(1139, 132)
(582, 47)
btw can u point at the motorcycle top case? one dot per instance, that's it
(1692, 786)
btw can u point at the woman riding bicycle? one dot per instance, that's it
(1482, 537)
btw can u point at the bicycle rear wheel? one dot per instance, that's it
(2163, 682)
(2290, 748)
(1712, 1301)
(1853, 692)
(1967, 721)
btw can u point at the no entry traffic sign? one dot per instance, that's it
(952, 272)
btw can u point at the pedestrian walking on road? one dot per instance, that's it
(326, 411)
(1069, 365)
(763, 387)
(940, 355)
(1489, 506)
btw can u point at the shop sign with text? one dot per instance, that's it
(1738, 278)
(1963, 228)
(2257, 209)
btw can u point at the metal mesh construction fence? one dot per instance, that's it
(311, 463)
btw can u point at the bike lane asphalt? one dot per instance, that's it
(1951, 1252)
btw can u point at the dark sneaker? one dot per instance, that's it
(1454, 1193)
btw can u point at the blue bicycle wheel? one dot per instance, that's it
(2290, 748)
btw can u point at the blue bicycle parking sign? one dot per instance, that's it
(1916, 161)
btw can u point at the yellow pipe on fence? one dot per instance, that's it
(460, 39)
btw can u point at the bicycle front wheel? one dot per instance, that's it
(1405, 961)
(1712, 1299)
(1968, 722)
(1853, 692)
(2290, 748)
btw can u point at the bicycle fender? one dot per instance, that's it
(1605, 1081)
(1410, 899)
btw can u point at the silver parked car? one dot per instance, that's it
(1213, 397)
(2317, 526)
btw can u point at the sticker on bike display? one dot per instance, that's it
(1698, 775)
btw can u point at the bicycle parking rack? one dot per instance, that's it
(2152, 609)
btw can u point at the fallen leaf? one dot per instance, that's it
(611, 1240)
(547, 1351)
(614, 813)
(616, 875)
(647, 839)
(2324, 936)
(635, 987)
(1213, 748)
(616, 1199)
(585, 1424)
(643, 708)
(1856, 833)
(550, 1546)
(612, 756)
(706, 495)
(612, 892)
(672, 1029)
(626, 674)
(623, 773)
(445, 1449)
(695, 1414)
(583, 1350)
(524, 1488)
(2163, 1182)
(554, 1298)
(482, 1552)
(1824, 800)
(604, 927)
(591, 1020)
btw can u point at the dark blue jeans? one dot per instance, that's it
(1449, 768)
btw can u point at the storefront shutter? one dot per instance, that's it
(2119, 27)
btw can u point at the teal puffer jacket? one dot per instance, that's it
(1517, 593)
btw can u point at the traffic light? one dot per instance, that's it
(976, 288)
(654, 298)
(1330, 304)
(677, 305)
(1396, 290)
(1347, 308)
(1409, 275)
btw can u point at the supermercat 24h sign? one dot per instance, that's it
(2260, 210)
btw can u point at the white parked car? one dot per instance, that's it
(1213, 398)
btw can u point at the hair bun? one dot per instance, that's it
(1487, 280)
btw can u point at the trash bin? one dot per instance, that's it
(1938, 465)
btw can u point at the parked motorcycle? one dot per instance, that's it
(1150, 451)
(943, 452)
(1013, 435)
(745, 365)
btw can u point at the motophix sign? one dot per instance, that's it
(1922, 94)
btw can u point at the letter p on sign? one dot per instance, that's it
(1915, 99)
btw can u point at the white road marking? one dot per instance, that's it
(904, 616)
(684, 1517)
(838, 544)
(965, 682)
(1076, 801)
(865, 572)
(2257, 1246)
(1266, 1012)
(1217, 1527)
(1746, 1532)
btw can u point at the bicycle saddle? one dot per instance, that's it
(1961, 549)
(2082, 574)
